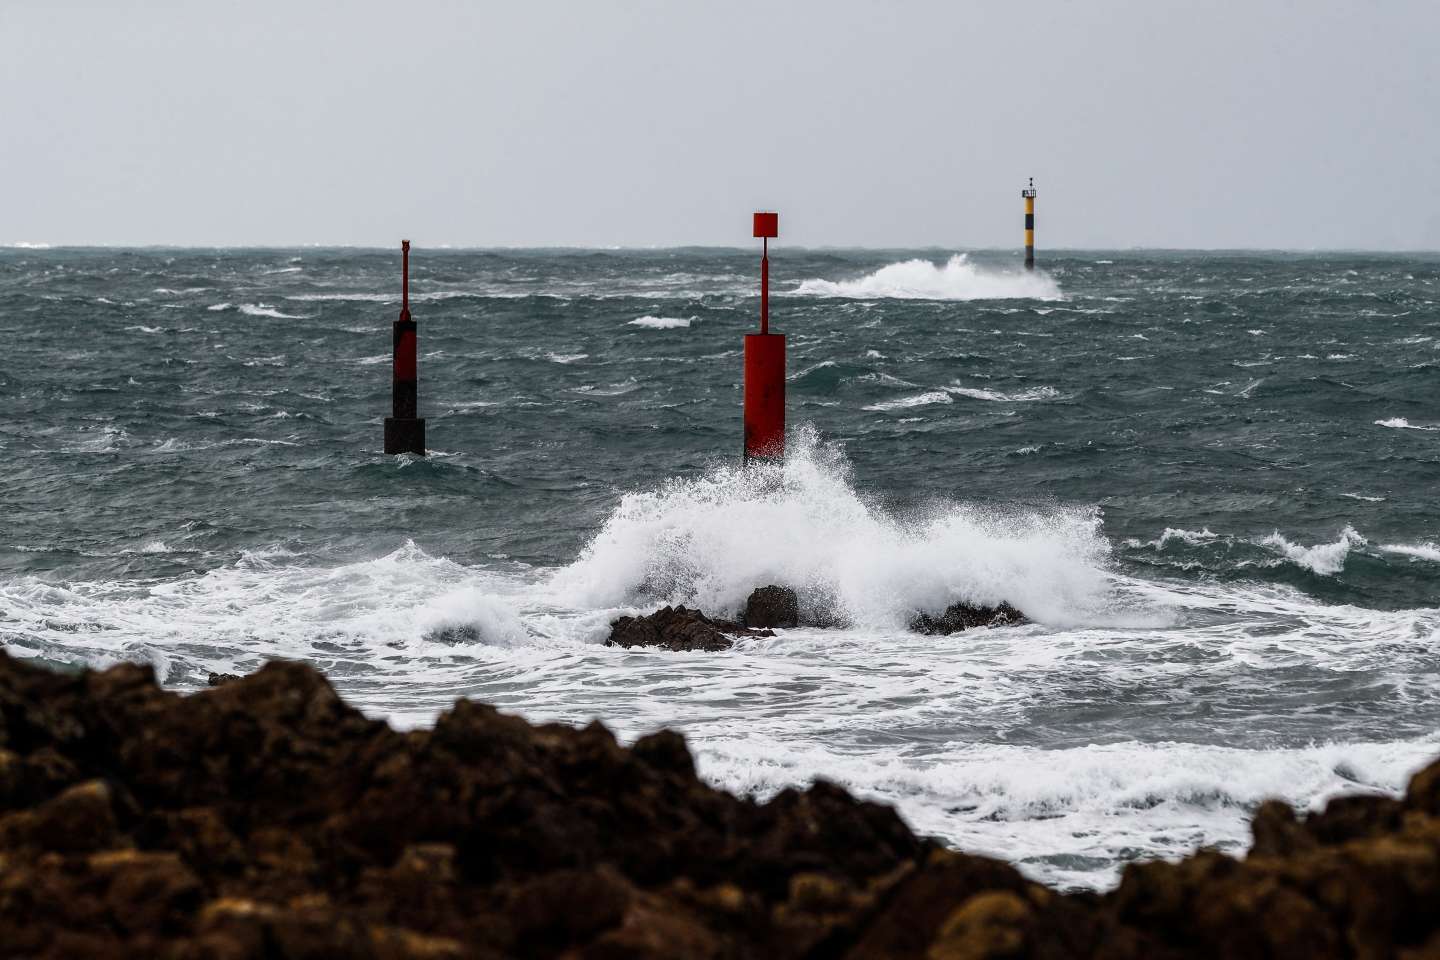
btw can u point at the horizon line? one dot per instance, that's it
(41, 247)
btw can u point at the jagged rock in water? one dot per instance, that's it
(267, 818)
(772, 606)
(217, 679)
(679, 629)
(963, 616)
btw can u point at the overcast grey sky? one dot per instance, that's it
(1154, 123)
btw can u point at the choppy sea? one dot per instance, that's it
(1210, 479)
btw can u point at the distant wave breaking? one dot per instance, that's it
(957, 279)
(661, 323)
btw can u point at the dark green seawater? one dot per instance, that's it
(1210, 478)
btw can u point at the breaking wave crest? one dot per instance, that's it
(709, 541)
(1275, 550)
(956, 279)
(1326, 559)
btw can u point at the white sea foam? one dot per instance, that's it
(905, 403)
(1173, 534)
(694, 541)
(1018, 396)
(260, 310)
(1400, 423)
(343, 297)
(267, 605)
(1326, 559)
(661, 323)
(804, 372)
(956, 279)
(467, 615)
(1045, 809)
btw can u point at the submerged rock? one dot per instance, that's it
(267, 818)
(678, 628)
(963, 616)
(772, 606)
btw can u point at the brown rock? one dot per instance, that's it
(988, 926)
(963, 616)
(1277, 833)
(78, 820)
(147, 892)
(679, 629)
(772, 606)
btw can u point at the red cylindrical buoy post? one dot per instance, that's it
(765, 365)
(405, 432)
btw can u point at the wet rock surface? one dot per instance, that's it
(963, 616)
(266, 818)
(680, 629)
(772, 606)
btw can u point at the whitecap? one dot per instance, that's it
(904, 403)
(997, 396)
(260, 310)
(661, 323)
(1400, 423)
(1326, 559)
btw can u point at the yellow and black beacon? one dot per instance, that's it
(1029, 194)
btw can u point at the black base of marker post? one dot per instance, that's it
(405, 435)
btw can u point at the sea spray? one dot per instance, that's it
(710, 540)
(957, 279)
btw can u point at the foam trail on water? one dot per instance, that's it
(1418, 551)
(261, 310)
(697, 542)
(956, 279)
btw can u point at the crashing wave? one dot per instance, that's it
(694, 541)
(956, 279)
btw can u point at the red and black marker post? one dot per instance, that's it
(405, 432)
(765, 366)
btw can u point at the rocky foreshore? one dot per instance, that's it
(264, 817)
